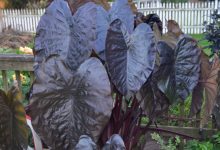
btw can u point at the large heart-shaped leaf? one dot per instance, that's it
(101, 20)
(65, 106)
(122, 10)
(211, 90)
(53, 31)
(13, 127)
(59, 33)
(130, 58)
(184, 73)
(73, 37)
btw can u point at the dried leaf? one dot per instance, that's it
(13, 127)
(216, 109)
(157, 32)
(133, 6)
(211, 90)
(197, 95)
(130, 58)
(174, 33)
(173, 27)
(170, 39)
(66, 105)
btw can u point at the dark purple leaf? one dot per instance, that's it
(66, 105)
(197, 99)
(154, 18)
(115, 142)
(187, 66)
(130, 58)
(164, 70)
(85, 143)
(154, 102)
(102, 20)
(70, 37)
(13, 127)
(184, 73)
(53, 31)
(122, 10)
(165, 61)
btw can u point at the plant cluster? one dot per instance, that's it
(170, 145)
(212, 32)
(100, 71)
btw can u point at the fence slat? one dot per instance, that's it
(18, 78)
(5, 80)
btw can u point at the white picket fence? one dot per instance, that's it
(190, 16)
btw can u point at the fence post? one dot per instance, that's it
(138, 4)
(5, 80)
(216, 4)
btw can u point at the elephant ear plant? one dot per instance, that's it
(78, 97)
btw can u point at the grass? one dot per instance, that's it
(202, 43)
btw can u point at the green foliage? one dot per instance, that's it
(144, 120)
(17, 3)
(210, 144)
(197, 145)
(9, 51)
(203, 43)
(174, 110)
(25, 83)
(170, 145)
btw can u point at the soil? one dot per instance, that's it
(10, 38)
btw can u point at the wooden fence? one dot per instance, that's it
(190, 16)
(17, 63)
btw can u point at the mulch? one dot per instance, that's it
(10, 38)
